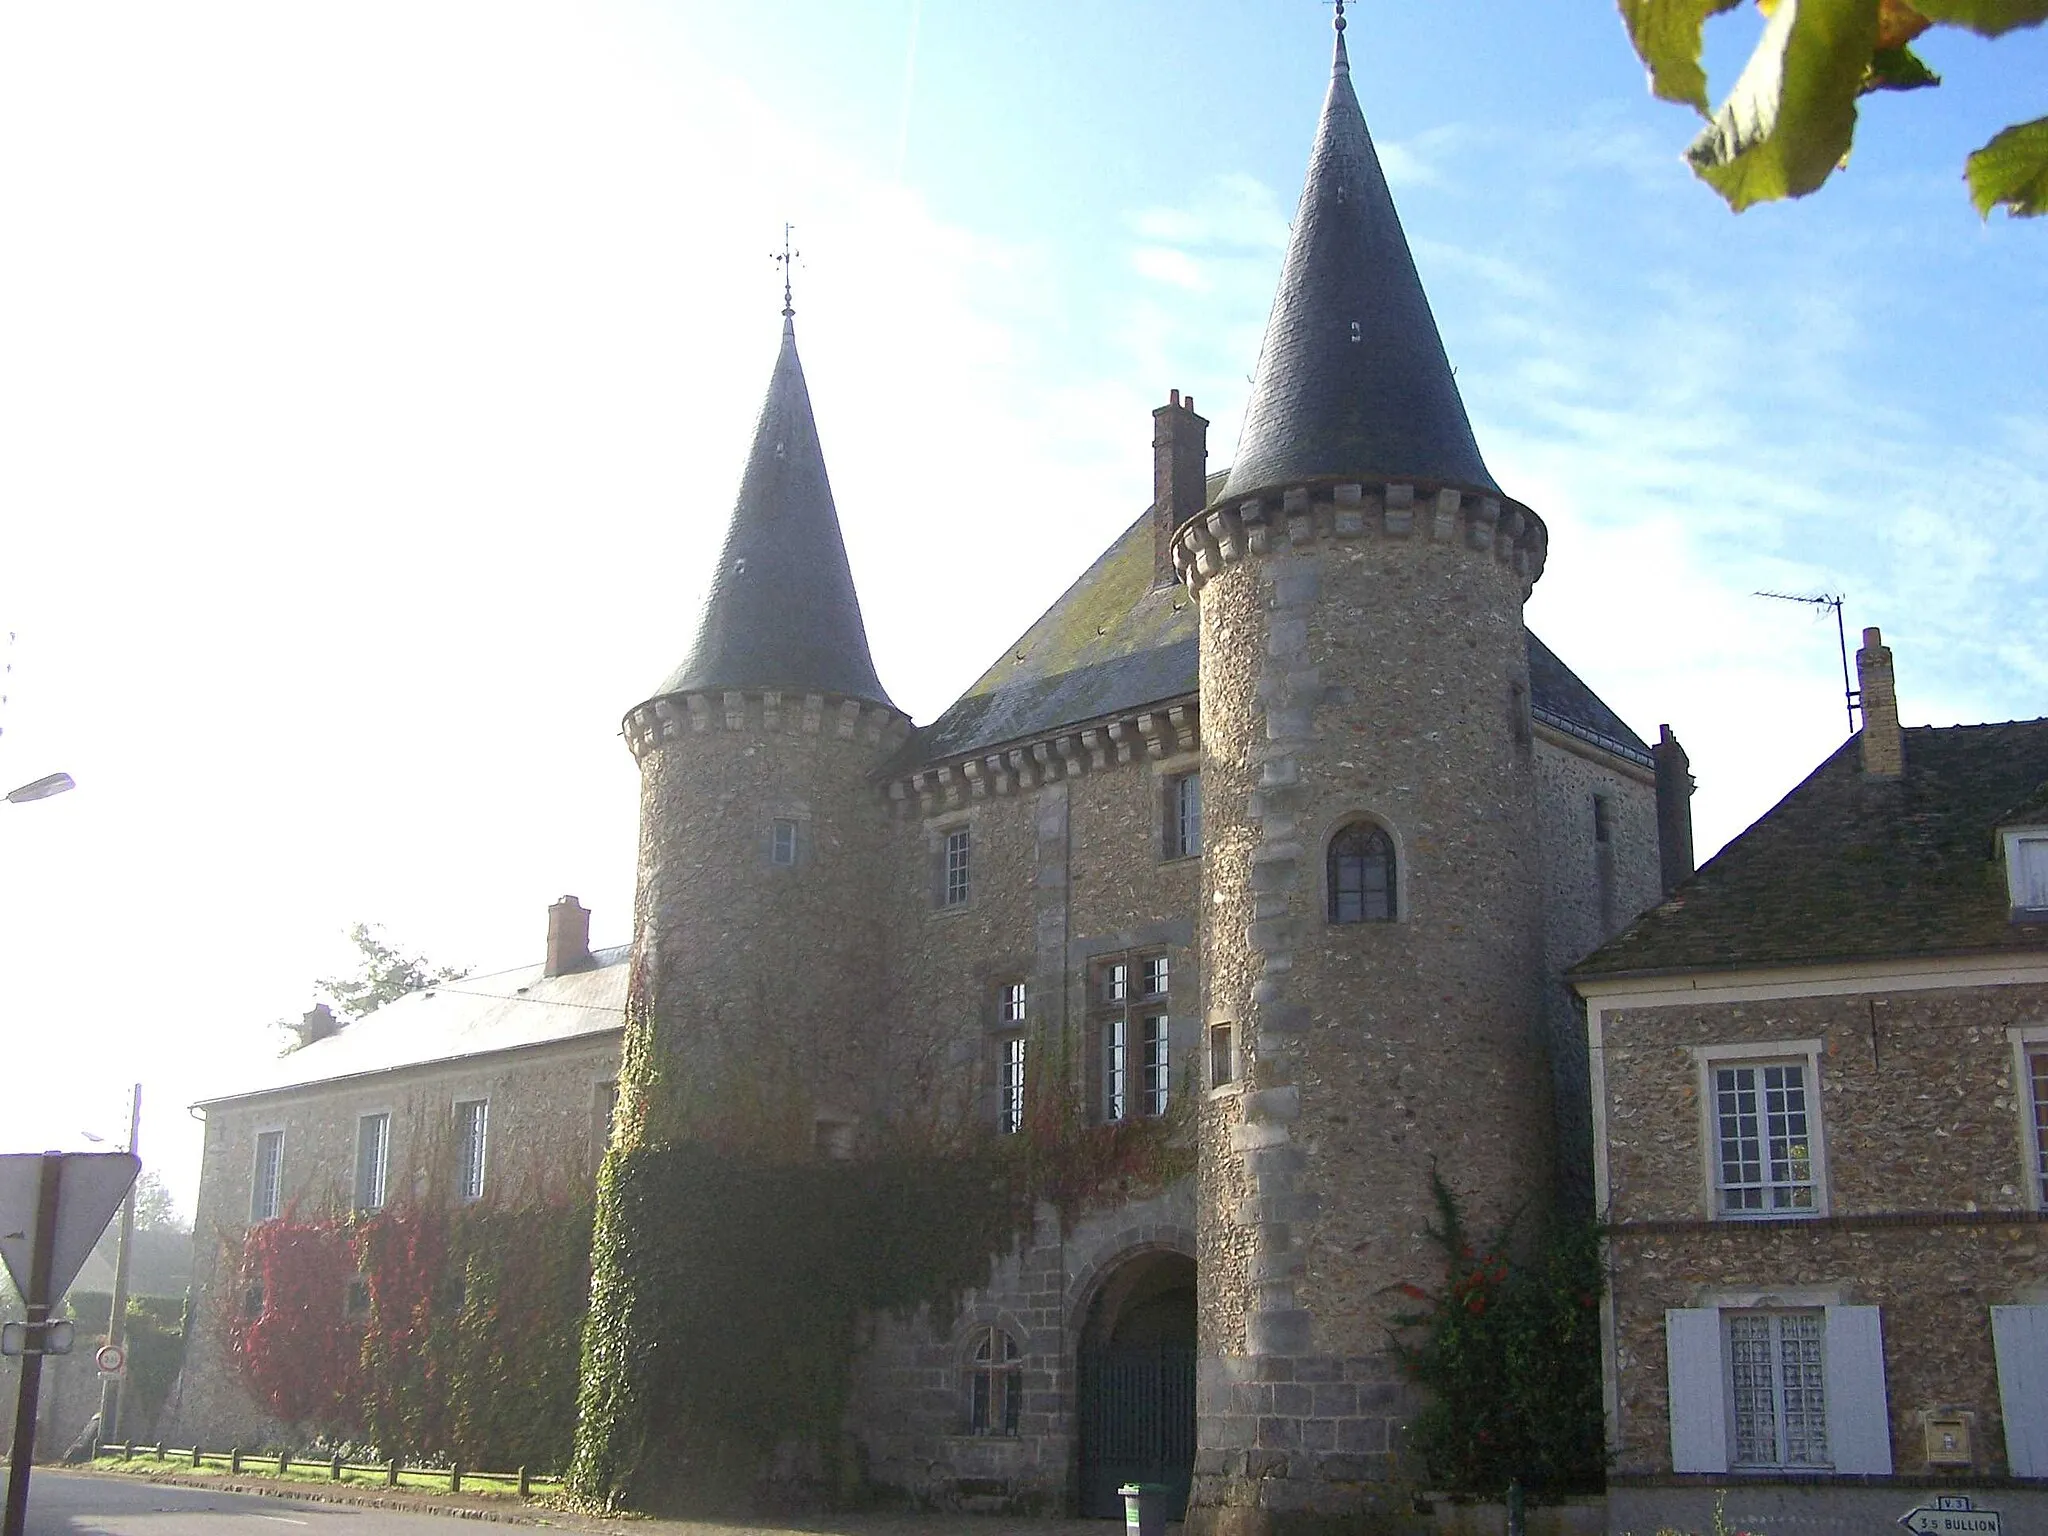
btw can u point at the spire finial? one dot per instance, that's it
(785, 258)
(1341, 65)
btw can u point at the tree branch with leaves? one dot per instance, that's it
(1789, 121)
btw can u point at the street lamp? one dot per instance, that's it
(42, 789)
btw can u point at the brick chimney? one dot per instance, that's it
(1884, 746)
(1674, 809)
(318, 1023)
(568, 937)
(1180, 477)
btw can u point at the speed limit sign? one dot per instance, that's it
(111, 1359)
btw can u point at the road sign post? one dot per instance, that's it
(46, 1230)
(1951, 1514)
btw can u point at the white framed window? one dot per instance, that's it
(953, 881)
(266, 1196)
(1183, 838)
(1132, 1033)
(1010, 1084)
(373, 1160)
(1010, 1003)
(782, 842)
(2030, 1099)
(995, 1383)
(2026, 869)
(1761, 1105)
(1777, 1388)
(472, 1145)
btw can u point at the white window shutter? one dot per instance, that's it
(2019, 1335)
(1859, 1420)
(1699, 1410)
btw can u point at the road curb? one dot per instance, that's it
(314, 1493)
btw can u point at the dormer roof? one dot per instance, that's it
(782, 613)
(1352, 381)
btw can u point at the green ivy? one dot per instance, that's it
(1509, 1348)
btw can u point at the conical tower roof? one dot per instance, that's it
(782, 613)
(1352, 382)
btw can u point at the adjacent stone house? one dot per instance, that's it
(496, 1088)
(1820, 1092)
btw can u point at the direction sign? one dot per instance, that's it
(1951, 1514)
(91, 1190)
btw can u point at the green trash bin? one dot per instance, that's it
(1145, 1508)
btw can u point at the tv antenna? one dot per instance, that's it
(1852, 697)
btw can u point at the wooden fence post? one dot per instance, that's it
(455, 1477)
(235, 1461)
(525, 1486)
(337, 1466)
(195, 1455)
(284, 1462)
(391, 1474)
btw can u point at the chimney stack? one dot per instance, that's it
(1674, 809)
(319, 1022)
(1180, 477)
(568, 937)
(1884, 745)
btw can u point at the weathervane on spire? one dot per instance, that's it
(785, 259)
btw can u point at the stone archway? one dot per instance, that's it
(1136, 1365)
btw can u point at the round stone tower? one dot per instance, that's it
(1371, 881)
(757, 938)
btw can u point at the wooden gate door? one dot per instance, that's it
(1137, 1425)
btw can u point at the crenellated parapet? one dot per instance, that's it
(1156, 733)
(672, 717)
(1305, 514)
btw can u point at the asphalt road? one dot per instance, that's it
(85, 1504)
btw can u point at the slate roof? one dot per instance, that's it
(1847, 868)
(451, 1020)
(782, 612)
(1352, 380)
(1113, 643)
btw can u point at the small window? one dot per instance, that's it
(1116, 982)
(267, 1198)
(1154, 976)
(1115, 1076)
(2026, 860)
(1184, 816)
(782, 847)
(1777, 1383)
(373, 1157)
(1010, 1084)
(1763, 1140)
(1603, 820)
(472, 1136)
(1361, 874)
(2037, 1084)
(1222, 1055)
(953, 889)
(252, 1301)
(355, 1300)
(1010, 1004)
(995, 1383)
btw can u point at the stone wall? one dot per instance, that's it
(1923, 1138)
(544, 1138)
(1362, 657)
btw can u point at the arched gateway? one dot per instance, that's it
(1137, 1379)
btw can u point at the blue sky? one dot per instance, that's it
(373, 387)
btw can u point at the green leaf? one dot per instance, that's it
(1667, 38)
(2012, 170)
(1897, 69)
(1790, 118)
(1989, 17)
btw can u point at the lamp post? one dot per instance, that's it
(49, 784)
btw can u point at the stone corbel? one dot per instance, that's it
(1148, 727)
(814, 712)
(735, 711)
(700, 711)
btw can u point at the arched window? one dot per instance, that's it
(1361, 874)
(995, 1383)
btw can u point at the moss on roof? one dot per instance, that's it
(1851, 868)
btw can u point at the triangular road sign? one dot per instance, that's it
(90, 1190)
